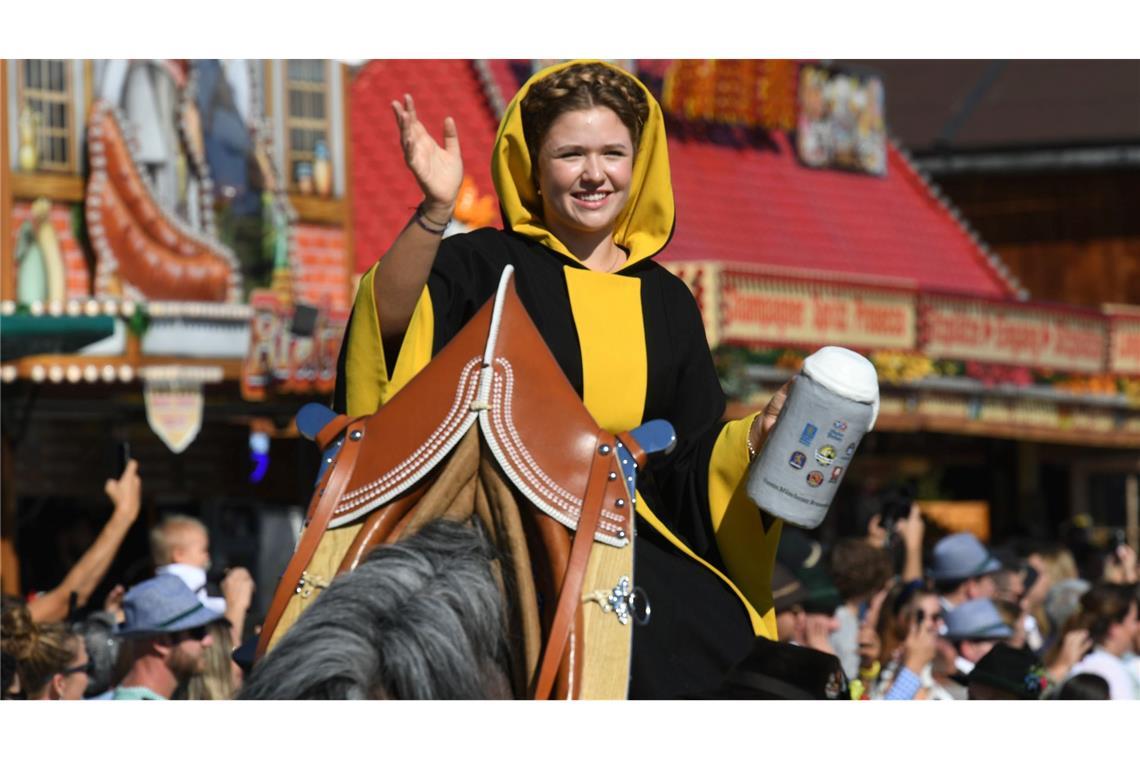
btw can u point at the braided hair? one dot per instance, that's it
(579, 88)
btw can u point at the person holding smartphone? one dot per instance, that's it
(125, 494)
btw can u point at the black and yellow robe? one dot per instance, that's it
(633, 345)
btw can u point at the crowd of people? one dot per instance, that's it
(914, 618)
(164, 638)
(910, 612)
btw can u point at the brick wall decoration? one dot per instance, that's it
(320, 271)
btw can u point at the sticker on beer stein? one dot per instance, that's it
(850, 450)
(798, 460)
(808, 434)
(838, 471)
(825, 455)
(815, 478)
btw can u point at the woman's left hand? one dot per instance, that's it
(766, 420)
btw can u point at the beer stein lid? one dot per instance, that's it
(847, 374)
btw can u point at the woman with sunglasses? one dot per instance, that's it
(908, 630)
(51, 660)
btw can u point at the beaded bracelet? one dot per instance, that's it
(422, 220)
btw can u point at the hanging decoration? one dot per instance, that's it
(174, 401)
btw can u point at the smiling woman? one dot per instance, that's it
(581, 168)
(584, 169)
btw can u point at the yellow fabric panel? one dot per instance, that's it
(611, 333)
(749, 552)
(366, 368)
(644, 226)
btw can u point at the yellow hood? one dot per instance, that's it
(646, 224)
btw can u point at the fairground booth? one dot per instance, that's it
(182, 239)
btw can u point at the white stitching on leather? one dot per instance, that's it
(434, 452)
(559, 503)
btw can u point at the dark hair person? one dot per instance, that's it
(1109, 614)
(581, 169)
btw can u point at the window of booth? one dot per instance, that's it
(45, 89)
(307, 119)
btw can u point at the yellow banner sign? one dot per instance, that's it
(968, 329)
(759, 308)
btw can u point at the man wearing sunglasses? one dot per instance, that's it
(164, 636)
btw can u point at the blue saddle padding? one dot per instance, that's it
(312, 420)
(655, 437)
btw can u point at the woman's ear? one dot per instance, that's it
(55, 687)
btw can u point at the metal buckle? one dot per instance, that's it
(625, 601)
(308, 584)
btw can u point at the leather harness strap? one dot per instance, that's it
(570, 596)
(634, 449)
(331, 430)
(315, 530)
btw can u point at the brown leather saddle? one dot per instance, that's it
(492, 430)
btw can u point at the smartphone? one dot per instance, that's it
(122, 457)
(1119, 539)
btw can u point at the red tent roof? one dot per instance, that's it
(738, 203)
(383, 190)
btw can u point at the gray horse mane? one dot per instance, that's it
(419, 619)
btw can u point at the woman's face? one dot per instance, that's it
(585, 165)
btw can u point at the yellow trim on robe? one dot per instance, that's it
(368, 385)
(614, 369)
(748, 551)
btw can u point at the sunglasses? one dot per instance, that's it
(87, 668)
(197, 634)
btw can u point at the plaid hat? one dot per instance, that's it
(976, 620)
(787, 591)
(776, 670)
(163, 604)
(1017, 672)
(960, 556)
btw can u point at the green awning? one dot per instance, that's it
(26, 335)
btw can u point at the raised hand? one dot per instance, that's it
(113, 604)
(920, 646)
(912, 529)
(126, 493)
(438, 171)
(237, 589)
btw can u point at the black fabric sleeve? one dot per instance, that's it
(695, 406)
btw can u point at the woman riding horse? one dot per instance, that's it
(581, 169)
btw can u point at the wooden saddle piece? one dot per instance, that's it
(491, 430)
